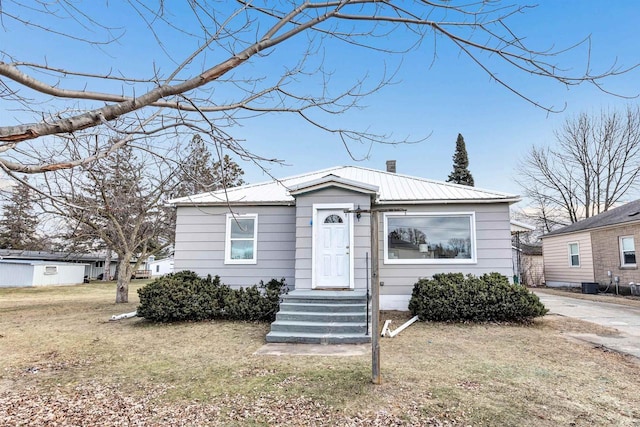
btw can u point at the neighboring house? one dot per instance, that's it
(160, 267)
(597, 249)
(24, 273)
(93, 262)
(314, 230)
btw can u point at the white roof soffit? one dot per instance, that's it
(521, 227)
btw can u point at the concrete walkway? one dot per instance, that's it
(621, 317)
(282, 349)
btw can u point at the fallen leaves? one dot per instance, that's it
(94, 403)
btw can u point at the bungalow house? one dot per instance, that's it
(600, 249)
(314, 230)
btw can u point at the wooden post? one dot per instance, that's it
(375, 287)
(375, 301)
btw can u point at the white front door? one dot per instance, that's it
(332, 249)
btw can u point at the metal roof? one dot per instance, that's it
(520, 227)
(38, 262)
(393, 188)
(626, 213)
(14, 254)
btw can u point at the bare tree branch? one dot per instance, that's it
(596, 163)
(215, 78)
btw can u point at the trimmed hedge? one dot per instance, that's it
(186, 296)
(456, 298)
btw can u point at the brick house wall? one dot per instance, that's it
(605, 246)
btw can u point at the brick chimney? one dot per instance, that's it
(391, 166)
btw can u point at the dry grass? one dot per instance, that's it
(63, 360)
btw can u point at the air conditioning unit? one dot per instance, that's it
(589, 288)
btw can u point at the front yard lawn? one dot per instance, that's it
(64, 363)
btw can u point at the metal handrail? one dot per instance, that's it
(367, 269)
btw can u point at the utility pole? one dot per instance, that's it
(375, 287)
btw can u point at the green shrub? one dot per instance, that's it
(454, 297)
(186, 296)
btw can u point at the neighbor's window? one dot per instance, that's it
(423, 238)
(574, 255)
(627, 251)
(50, 269)
(241, 241)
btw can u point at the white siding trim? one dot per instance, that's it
(395, 302)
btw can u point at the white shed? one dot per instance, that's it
(25, 273)
(160, 267)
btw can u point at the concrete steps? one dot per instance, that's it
(321, 317)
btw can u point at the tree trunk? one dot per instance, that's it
(106, 274)
(124, 277)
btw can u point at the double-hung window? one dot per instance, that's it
(429, 238)
(574, 255)
(627, 251)
(241, 242)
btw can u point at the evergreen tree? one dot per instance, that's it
(227, 173)
(19, 221)
(199, 174)
(461, 174)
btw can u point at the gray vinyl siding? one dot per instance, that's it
(200, 243)
(304, 231)
(493, 248)
(285, 243)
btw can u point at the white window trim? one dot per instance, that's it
(569, 254)
(622, 263)
(227, 239)
(472, 229)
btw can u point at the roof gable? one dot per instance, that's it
(332, 180)
(624, 214)
(391, 188)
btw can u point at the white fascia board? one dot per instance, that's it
(340, 183)
(446, 201)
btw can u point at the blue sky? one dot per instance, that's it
(453, 96)
(430, 98)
